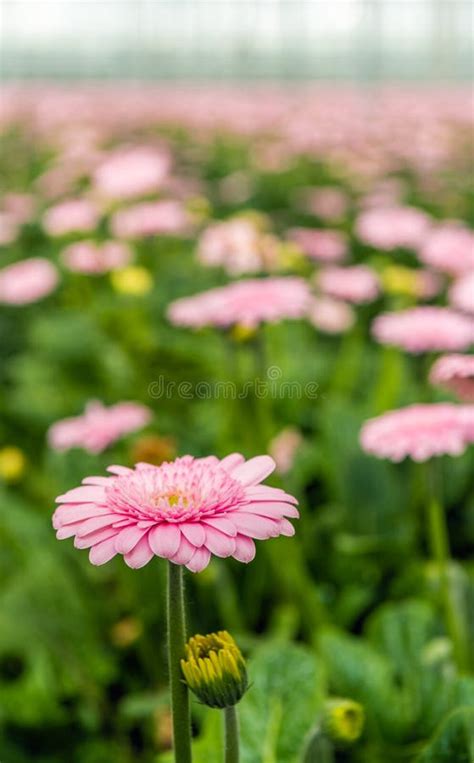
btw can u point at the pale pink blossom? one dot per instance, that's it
(131, 172)
(461, 293)
(150, 218)
(418, 432)
(332, 316)
(388, 228)
(358, 284)
(324, 245)
(20, 206)
(94, 259)
(248, 303)
(71, 216)
(9, 228)
(328, 203)
(424, 329)
(236, 245)
(98, 427)
(450, 248)
(27, 281)
(456, 374)
(284, 447)
(184, 510)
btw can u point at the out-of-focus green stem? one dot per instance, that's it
(231, 730)
(176, 641)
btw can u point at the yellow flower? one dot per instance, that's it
(215, 670)
(343, 720)
(397, 279)
(12, 463)
(242, 333)
(134, 280)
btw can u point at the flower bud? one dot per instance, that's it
(215, 670)
(343, 721)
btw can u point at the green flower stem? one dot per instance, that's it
(439, 545)
(176, 641)
(231, 730)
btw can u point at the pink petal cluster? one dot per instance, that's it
(20, 206)
(388, 228)
(455, 373)
(70, 216)
(450, 248)
(98, 427)
(9, 228)
(94, 259)
(461, 293)
(356, 284)
(248, 303)
(324, 245)
(130, 172)
(184, 510)
(150, 218)
(238, 246)
(328, 203)
(331, 316)
(27, 281)
(419, 432)
(424, 329)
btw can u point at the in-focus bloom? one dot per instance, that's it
(93, 259)
(392, 227)
(27, 281)
(150, 218)
(239, 246)
(215, 669)
(456, 374)
(71, 216)
(183, 510)
(283, 448)
(418, 432)
(134, 280)
(98, 427)
(450, 248)
(356, 284)
(248, 303)
(424, 329)
(323, 245)
(332, 316)
(131, 172)
(461, 293)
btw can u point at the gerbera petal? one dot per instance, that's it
(218, 543)
(140, 555)
(74, 512)
(223, 524)
(93, 538)
(256, 526)
(101, 481)
(128, 538)
(286, 528)
(83, 494)
(244, 549)
(254, 471)
(184, 552)
(103, 552)
(164, 540)
(114, 469)
(230, 462)
(199, 560)
(268, 493)
(67, 531)
(96, 523)
(272, 509)
(193, 532)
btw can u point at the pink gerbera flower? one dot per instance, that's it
(70, 216)
(248, 303)
(150, 218)
(27, 281)
(424, 329)
(391, 227)
(450, 248)
(356, 284)
(132, 171)
(184, 511)
(323, 245)
(98, 427)
(461, 293)
(455, 373)
(94, 259)
(419, 432)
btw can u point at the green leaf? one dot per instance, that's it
(454, 742)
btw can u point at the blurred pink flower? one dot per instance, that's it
(331, 315)
(424, 329)
(248, 303)
(450, 248)
(283, 448)
(183, 510)
(19, 206)
(98, 427)
(324, 245)
(392, 227)
(130, 172)
(9, 228)
(328, 203)
(419, 432)
(455, 373)
(150, 218)
(71, 216)
(94, 259)
(356, 284)
(236, 245)
(27, 281)
(461, 293)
